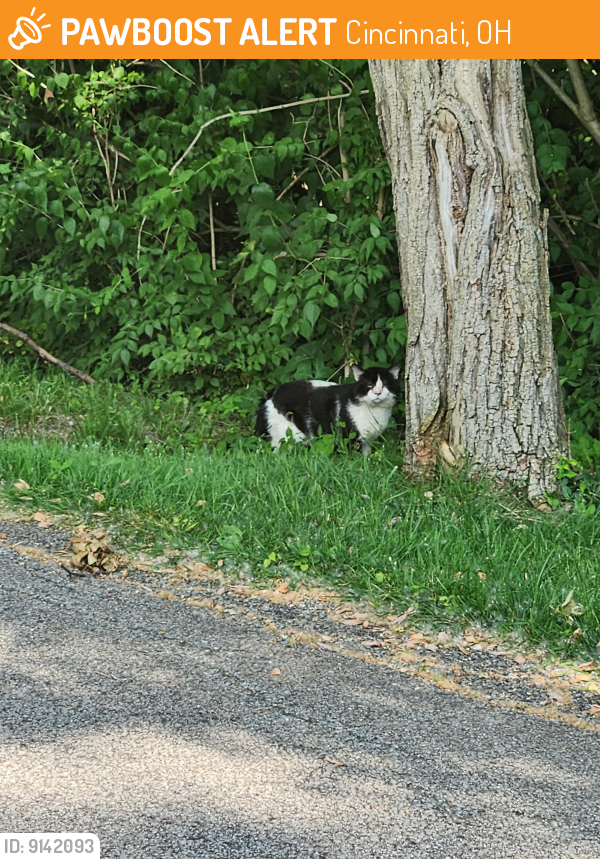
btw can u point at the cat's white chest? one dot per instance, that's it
(370, 420)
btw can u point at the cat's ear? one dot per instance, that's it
(357, 372)
(395, 371)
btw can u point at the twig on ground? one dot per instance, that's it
(47, 356)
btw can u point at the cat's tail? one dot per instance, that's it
(262, 428)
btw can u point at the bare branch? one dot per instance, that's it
(302, 173)
(581, 110)
(213, 250)
(580, 267)
(586, 107)
(139, 241)
(233, 114)
(47, 356)
(343, 158)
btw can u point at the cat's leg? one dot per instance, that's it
(366, 447)
(279, 426)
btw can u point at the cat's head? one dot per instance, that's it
(377, 384)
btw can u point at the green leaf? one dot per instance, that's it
(269, 267)
(393, 300)
(41, 227)
(61, 80)
(104, 223)
(270, 284)
(192, 262)
(271, 238)
(218, 319)
(70, 226)
(186, 219)
(56, 208)
(311, 311)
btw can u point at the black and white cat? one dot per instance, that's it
(364, 407)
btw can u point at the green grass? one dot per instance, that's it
(457, 549)
(40, 402)
(459, 555)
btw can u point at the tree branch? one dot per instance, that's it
(583, 111)
(213, 250)
(233, 114)
(579, 265)
(47, 356)
(302, 173)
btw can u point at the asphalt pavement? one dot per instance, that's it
(161, 727)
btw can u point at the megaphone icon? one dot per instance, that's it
(26, 32)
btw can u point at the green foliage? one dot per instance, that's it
(569, 170)
(106, 256)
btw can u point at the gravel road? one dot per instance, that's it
(158, 726)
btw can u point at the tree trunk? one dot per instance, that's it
(481, 374)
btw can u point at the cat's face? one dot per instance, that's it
(376, 384)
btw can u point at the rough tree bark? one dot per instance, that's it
(481, 374)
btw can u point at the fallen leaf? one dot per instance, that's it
(97, 496)
(482, 576)
(428, 495)
(20, 484)
(595, 710)
(581, 678)
(220, 562)
(432, 647)
(125, 483)
(407, 614)
(520, 659)
(275, 672)
(204, 603)
(373, 643)
(569, 607)
(166, 595)
(201, 502)
(42, 519)
(91, 551)
(335, 762)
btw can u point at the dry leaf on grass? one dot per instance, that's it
(20, 484)
(98, 497)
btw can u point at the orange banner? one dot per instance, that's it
(135, 29)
